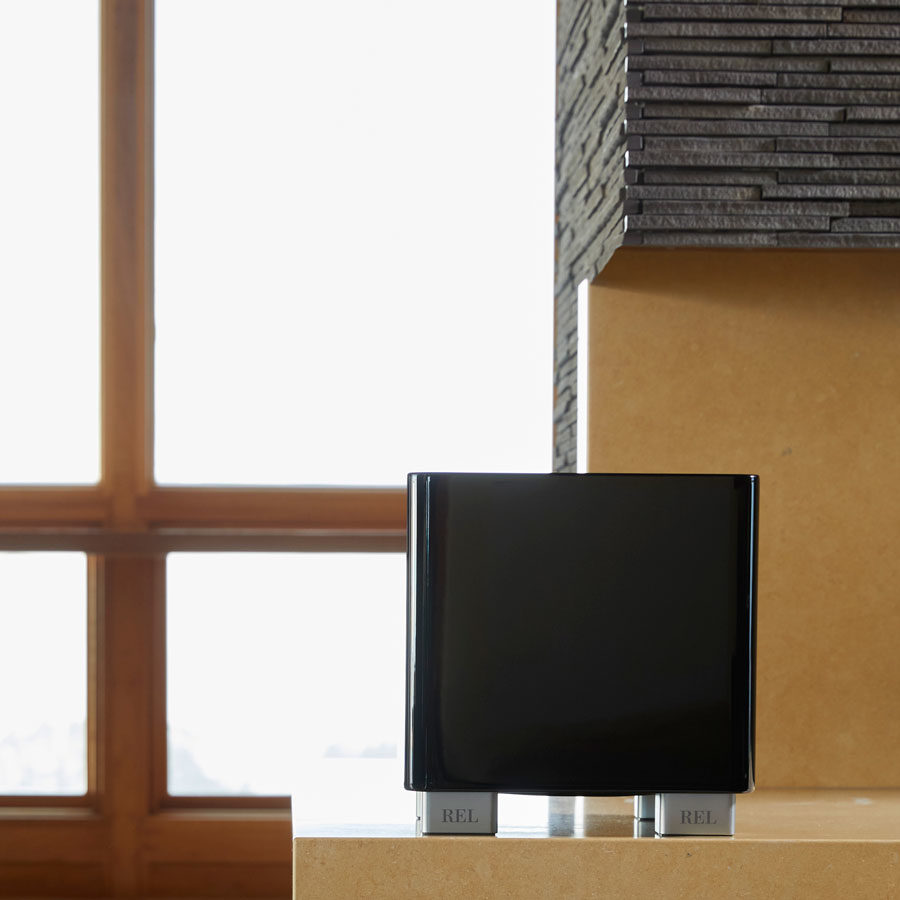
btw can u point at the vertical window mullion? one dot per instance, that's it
(125, 586)
(126, 122)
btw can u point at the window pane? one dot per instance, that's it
(43, 673)
(354, 239)
(49, 232)
(285, 664)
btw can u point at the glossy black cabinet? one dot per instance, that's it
(581, 634)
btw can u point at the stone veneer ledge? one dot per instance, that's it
(703, 124)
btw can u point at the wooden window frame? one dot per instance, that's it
(127, 836)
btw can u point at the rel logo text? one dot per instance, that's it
(458, 815)
(697, 817)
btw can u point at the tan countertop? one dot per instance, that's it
(790, 843)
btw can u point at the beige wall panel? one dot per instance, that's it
(785, 364)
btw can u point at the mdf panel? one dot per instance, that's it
(795, 843)
(785, 364)
(381, 869)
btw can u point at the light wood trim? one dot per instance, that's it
(53, 503)
(42, 835)
(90, 519)
(220, 540)
(182, 835)
(87, 518)
(266, 540)
(221, 879)
(350, 509)
(126, 203)
(220, 802)
(49, 878)
(44, 805)
(126, 590)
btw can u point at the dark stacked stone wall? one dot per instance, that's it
(770, 124)
(590, 178)
(754, 124)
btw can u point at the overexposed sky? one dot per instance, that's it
(49, 241)
(354, 239)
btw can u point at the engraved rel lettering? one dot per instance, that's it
(698, 817)
(458, 815)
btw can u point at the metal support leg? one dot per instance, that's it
(645, 806)
(695, 814)
(456, 812)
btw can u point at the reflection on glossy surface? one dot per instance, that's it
(592, 817)
(590, 827)
(519, 816)
(863, 815)
(527, 596)
(577, 817)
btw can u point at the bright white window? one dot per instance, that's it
(50, 240)
(354, 239)
(43, 673)
(282, 662)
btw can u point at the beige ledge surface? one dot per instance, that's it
(796, 843)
